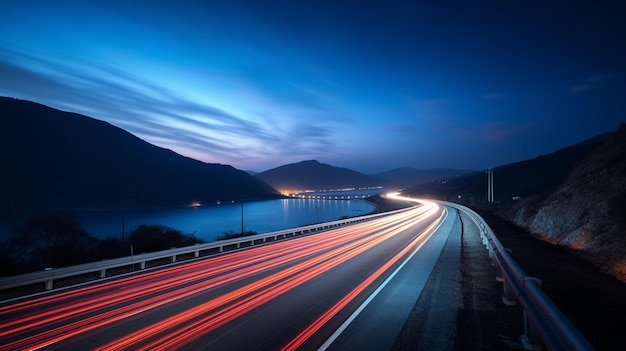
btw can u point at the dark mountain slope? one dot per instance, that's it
(587, 212)
(313, 175)
(52, 158)
(406, 176)
(539, 175)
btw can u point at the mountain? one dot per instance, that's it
(539, 175)
(407, 176)
(574, 197)
(313, 175)
(587, 211)
(58, 159)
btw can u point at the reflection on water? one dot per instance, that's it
(207, 223)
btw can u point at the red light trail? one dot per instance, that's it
(173, 307)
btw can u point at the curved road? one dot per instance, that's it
(293, 294)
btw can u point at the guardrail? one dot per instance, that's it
(49, 276)
(544, 323)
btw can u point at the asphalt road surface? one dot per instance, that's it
(350, 287)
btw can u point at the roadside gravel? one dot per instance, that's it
(592, 300)
(483, 321)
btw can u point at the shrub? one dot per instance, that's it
(154, 237)
(50, 239)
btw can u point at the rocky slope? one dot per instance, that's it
(587, 212)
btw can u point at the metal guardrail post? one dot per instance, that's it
(531, 340)
(544, 324)
(509, 292)
(509, 296)
(499, 272)
(49, 275)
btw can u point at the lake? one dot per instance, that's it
(207, 223)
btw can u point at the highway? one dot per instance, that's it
(291, 294)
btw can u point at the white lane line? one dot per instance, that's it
(352, 317)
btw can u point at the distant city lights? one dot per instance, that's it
(330, 194)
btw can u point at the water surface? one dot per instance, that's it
(207, 223)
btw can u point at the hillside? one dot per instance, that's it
(586, 213)
(313, 175)
(406, 176)
(55, 159)
(574, 197)
(538, 175)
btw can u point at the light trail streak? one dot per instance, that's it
(305, 271)
(242, 280)
(323, 319)
(276, 257)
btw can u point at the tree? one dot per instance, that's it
(108, 248)
(232, 235)
(51, 239)
(154, 237)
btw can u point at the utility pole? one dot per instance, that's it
(241, 217)
(490, 197)
(123, 196)
(241, 210)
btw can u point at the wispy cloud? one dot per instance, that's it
(590, 83)
(502, 131)
(490, 96)
(488, 131)
(164, 117)
(429, 108)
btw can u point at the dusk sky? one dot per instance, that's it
(368, 85)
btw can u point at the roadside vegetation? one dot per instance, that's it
(232, 235)
(56, 239)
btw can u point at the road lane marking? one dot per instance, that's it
(356, 313)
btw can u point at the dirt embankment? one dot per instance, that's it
(587, 213)
(593, 300)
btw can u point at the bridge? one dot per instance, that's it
(337, 285)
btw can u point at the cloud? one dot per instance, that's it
(488, 131)
(164, 117)
(579, 88)
(590, 83)
(499, 131)
(404, 128)
(428, 106)
(490, 96)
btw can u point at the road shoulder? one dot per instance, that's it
(432, 322)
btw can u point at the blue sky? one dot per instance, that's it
(369, 85)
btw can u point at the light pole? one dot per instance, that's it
(241, 217)
(242, 210)
(318, 214)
